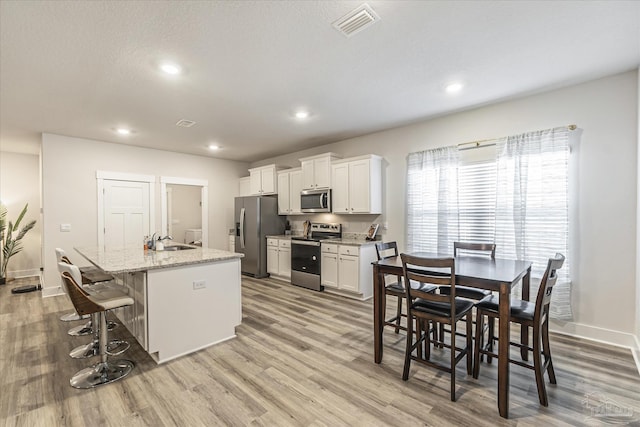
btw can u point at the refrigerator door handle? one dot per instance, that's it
(242, 228)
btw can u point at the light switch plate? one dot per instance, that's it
(65, 227)
(199, 284)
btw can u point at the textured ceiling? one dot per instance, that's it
(85, 68)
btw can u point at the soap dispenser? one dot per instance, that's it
(159, 245)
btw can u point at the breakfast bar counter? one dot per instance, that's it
(184, 300)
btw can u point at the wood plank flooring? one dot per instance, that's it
(301, 358)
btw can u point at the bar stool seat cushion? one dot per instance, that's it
(519, 309)
(442, 308)
(466, 292)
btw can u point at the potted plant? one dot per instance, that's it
(11, 245)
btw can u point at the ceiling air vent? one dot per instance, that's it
(356, 20)
(185, 123)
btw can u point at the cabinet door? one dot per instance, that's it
(322, 173)
(308, 175)
(295, 187)
(359, 188)
(329, 270)
(272, 260)
(340, 191)
(268, 177)
(140, 320)
(348, 277)
(255, 182)
(245, 186)
(284, 262)
(283, 194)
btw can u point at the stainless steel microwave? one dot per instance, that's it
(312, 201)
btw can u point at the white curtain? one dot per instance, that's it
(432, 202)
(532, 208)
(528, 180)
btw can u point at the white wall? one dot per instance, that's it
(20, 184)
(69, 168)
(603, 238)
(638, 239)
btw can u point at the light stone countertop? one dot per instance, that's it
(351, 241)
(135, 258)
(279, 236)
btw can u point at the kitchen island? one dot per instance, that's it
(184, 300)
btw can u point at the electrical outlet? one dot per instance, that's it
(199, 284)
(385, 225)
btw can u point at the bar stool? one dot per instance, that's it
(91, 277)
(105, 371)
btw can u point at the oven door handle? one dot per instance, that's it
(301, 242)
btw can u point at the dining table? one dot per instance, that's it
(496, 275)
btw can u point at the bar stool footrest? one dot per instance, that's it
(101, 373)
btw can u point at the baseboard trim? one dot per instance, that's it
(636, 353)
(52, 291)
(19, 274)
(593, 333)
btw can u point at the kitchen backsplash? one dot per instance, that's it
(353, 226)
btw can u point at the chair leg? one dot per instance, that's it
(479, 344)
(547, 352)
(470, 343)
(441, 334)
(407, 352)
(491, 335)
(453, 361)
(399, 314)
(427, 340)
(537, 367)
(419, 339)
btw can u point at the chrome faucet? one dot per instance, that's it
(165, 238)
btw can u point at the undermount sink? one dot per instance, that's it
(178, 248)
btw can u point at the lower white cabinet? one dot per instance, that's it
(279, 258)
(134, 317)
(347, 269)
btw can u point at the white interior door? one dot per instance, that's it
(126, 212)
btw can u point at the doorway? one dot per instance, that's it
(185, 209)
(125, 208)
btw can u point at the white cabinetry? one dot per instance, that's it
(357, 185)
(245, 186)
(262, 180)
(134, 317)
(279, 258)
(346, 269)
(316, 171)
(289, 188)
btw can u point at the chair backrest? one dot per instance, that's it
(475, 248)
(549, 278)
(61, 256)
(386, 250)
(72, 279)
(436, 271)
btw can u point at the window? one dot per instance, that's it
(516, 197)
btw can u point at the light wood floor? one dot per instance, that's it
(300, 358)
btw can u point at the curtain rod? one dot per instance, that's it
(476, 144)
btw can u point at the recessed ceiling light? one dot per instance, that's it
(454, 87)
(214, 147)
(302, 115)
(123, 131)
(172, 69)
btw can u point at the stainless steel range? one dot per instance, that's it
(305, 254)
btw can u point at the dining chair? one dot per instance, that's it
(474, 294)
(386, 250)
(428, 307)
(533, 315)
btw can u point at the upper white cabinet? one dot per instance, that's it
(316, 171)
(245, 186)
(289, 188)
(262, 180)
(357, 185)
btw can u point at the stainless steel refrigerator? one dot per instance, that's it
(255, 218)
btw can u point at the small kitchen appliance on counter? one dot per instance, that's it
(305, 253)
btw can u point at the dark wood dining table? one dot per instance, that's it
(499, 275)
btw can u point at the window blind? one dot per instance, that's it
(517, 198)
